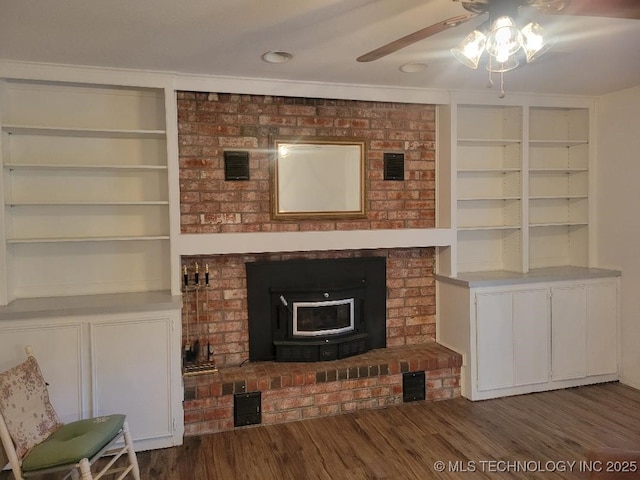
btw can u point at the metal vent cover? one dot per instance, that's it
(413, 386)
(236, 166)
(393, 166)
(247, 409)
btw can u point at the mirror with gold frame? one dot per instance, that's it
(318, 177)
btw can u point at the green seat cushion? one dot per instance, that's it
(72, 442)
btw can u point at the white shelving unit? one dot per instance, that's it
(85, 245)
(558, 187)
(488, 149)
(85, 190)
(518, 295)
(518, 181)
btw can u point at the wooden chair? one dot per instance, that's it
(34, 442)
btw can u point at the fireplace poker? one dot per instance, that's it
(206, 286)
(196, 344)
(187, 345)
(190, 352)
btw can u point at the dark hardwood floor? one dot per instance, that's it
(523, 437)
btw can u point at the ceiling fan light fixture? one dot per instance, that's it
(504, 39)
(502, 66)
(502, 22)
(471, 49)
(534, 43)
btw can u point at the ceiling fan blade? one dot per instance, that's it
(600, 8)
(414, 37)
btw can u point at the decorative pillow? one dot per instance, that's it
(25, 406)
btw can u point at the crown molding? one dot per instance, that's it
(215, 83)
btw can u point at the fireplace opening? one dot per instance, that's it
(316, 310)
(328, 317)
(313, 325)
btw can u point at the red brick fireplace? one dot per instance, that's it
(220, 316)
(217, 316)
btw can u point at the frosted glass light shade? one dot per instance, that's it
(471, 48)
(509, 64)
(534, 43)
(504, 39)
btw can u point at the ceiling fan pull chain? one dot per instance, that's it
(501, 95)
(490, 83)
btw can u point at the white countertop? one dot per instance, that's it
(536, 275)
(25, 308)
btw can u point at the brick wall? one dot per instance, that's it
(210, 123)
(218, 316)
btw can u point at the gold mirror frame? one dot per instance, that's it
(320, 178)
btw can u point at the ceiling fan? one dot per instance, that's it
(497, 8)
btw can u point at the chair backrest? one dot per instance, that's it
(26, 414)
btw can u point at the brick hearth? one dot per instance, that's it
(297, 391)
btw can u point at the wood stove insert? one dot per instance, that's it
(316, 310)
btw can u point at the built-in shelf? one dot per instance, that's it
(43, 166)
(81, 204)
(552, 197)
(566, 171)
(487, 170)
(86, 239)
(520, 186)
(557, 224)
(489, 227)
(476, 199)
(558, 213)
(556, 143)
(85, 190)
(81, 132)
(488, 159)
(488, 142)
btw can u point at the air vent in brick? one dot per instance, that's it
(393, 166)
(413, 386)
(247, 409)
(236, 165)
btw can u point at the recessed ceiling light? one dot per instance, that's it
(413, 67)
(277, 56)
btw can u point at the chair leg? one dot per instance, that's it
(17, 474)
(7, 447)
(85, 470)
(133, 459)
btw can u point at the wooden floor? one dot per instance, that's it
(521, 437)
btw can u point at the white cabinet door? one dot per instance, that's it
(132, 373)
(602, 302)
(494, 340)
(531, 336)
(569, 332)
(57, 347)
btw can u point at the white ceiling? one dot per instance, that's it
(592, 55)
